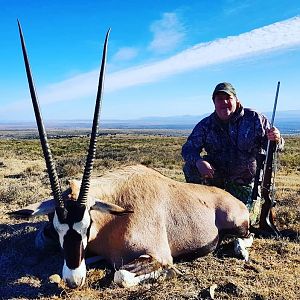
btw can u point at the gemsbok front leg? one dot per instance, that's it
(141, 269)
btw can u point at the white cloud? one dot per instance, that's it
(277, 36)
(280, 35)
(168, 33)
(126, 53)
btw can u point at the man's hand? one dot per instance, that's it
(205, 168)
(273, 134)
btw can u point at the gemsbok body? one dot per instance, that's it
(135, 212)
(133, 217)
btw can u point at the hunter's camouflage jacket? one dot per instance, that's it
(231, 148)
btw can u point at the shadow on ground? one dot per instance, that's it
(25, 271)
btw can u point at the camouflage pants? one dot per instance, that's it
(241, 192)
(244, 193)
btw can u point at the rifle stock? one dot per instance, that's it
(266, 222)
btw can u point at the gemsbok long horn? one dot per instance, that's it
(55, 185)
(56, 189)
(82, 198)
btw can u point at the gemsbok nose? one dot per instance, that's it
(74, 278)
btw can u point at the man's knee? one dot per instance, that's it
(191, 174)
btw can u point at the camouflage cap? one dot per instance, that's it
(225, 87)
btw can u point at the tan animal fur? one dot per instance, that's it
(141, 220)
(170, 218)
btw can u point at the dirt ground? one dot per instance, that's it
(273, 271)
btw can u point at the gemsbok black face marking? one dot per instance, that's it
(70, 222)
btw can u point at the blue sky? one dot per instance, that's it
(164, 57)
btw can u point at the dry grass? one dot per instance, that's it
(273, 271)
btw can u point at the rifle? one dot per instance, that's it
(266, 222)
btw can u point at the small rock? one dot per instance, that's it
(208, 293)
(212, 289)
(55, 278)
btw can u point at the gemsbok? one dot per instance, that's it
(133, 217)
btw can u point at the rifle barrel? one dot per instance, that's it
(275, 104)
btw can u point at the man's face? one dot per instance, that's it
(225, 105)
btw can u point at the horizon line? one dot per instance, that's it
(135, 119)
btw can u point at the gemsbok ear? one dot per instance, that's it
(110, 208)
(37, 209)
